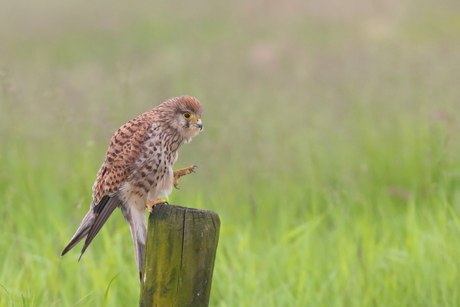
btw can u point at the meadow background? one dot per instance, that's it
(330, 149)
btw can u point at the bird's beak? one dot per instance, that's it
(199, 123)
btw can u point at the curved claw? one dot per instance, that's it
(182, 172)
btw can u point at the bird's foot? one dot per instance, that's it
(151, 204)
(182, 172)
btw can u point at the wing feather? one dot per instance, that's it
(125, 148)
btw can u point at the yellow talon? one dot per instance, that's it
(182, 172)
(151, 204)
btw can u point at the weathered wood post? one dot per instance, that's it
(179, 257)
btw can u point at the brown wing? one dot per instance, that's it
(122, 154)
(125, 147)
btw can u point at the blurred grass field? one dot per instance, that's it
(330, 150)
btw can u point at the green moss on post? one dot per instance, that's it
(179, 257)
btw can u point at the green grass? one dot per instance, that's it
(331, 146)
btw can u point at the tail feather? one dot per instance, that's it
(136, 220)
(92, 223)
(102, 211)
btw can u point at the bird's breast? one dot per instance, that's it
(153, 185)
(152, 174)
(163, 186)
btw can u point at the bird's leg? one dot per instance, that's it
(151, 204)
(182, 172)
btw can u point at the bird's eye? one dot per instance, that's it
(187, 115)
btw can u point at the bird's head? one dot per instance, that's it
(185, 116)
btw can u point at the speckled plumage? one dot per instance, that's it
(138, 168)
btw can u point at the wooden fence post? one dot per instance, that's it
(179, 257)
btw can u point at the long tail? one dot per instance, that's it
(92, 223)
(136, 220)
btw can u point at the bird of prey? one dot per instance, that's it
(137, 171)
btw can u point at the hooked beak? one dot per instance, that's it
(199, 123)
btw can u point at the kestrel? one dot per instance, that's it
(137, 171)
